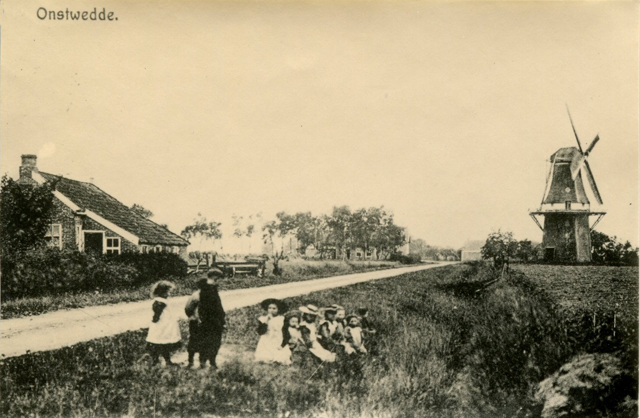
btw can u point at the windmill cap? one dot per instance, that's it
(565, 154)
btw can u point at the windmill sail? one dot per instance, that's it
(574, 130)
(579, 160)
(592, 182)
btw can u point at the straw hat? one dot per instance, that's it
(332, 309)
(309, 309)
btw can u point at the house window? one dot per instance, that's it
(144, 249)
(158, 248)
(113, 246)
(54, 235)
(175, 250)
(567, 205)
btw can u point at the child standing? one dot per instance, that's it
(212, 320)
(164, 332)
(191, 310)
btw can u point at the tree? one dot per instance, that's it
(142, 211)
(201, 230)
(499, 246)
(607, 250)
(387, 236)
(338, 224)
(271, 230)
(25, 214)
(525, 251)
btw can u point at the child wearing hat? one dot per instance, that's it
(164, 332)
(310, 335)
(329, 336)
(211, 320)
(270, 328)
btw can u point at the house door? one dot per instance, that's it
(93, 242)
(549, 254)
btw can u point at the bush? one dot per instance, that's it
(152, 267)
(406, 259)
(47, 271)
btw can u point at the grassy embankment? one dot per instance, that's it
(295, 270)
(446, 348)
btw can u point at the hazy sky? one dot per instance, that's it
(445, 113)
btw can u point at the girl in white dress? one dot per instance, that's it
(164, 332)
(270, 327)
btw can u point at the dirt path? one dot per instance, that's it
(63, 328)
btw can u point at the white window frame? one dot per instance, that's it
(175, 249)
(144, 249)
(112, 248)
(157, 249)
(49, 234)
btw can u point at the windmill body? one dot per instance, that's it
(566, 208)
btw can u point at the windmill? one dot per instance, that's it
(565, 206)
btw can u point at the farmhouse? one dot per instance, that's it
(471, 251)
(90, 220)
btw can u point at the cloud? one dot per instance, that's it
(47, 150)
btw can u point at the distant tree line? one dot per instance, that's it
(331, 235)
(431, 252)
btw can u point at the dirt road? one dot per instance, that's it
(63, 328)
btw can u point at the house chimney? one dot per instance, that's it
(27, 167)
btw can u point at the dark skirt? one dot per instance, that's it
(159, 349)
(204, 338)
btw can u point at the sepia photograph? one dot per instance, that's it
(323, 209)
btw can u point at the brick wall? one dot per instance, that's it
(65, 216)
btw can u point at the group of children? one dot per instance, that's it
(323, 334)
(292, 337)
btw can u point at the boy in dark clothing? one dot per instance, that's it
(206, 320)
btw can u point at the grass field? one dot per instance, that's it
(598, 288)
(295, 270)
(446, 348)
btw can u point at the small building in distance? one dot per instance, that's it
(90, 220)
(471, 251)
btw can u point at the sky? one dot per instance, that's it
(445, 113)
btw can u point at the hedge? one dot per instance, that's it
(46, 271)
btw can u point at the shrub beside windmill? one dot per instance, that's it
(565, 206)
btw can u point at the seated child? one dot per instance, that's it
(353, 336)
(341, 323)
(327, 329)
(270, 328)
(292, 340)
(164, 332)
(365, 323)
(310, 336)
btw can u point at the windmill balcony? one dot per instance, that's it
(564, 207)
